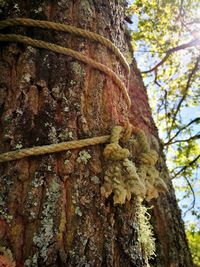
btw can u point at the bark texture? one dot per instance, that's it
(52, 212)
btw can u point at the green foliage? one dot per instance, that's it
(193, 237)
(166, 41)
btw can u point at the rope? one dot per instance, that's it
(54, 148)
(114, 150)
(67, 28)
(110, 151)
(121, 176)
(69, 52)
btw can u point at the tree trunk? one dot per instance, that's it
(52, 210)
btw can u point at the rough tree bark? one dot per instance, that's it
(52, 211)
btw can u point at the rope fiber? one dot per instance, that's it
(40, 150)
(69, 52)
(66, 51)
(64, 146)
(66, 28)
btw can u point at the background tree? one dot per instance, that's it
(57, 210)
(166, 39)
(193, 236)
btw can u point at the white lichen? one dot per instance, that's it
(31, 49)
(83, 157)
(78, 212)
(16, 7)
(77, 69)
(66, 135)
(5, 215)
(95, 179)
(38, 180)
(32, 262)
(26, 77)
(49, 168)
(145, 232)
(56, 92)
(19, 111)
(18, 146)
(32, 215)
(53, 135)
(66, 109)
(43, 238)
(72, 82)
(66, 161)
(39, 10)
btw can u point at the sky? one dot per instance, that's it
(187, 114)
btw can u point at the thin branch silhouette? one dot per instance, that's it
(189, 82)
(179, 131)
(171, 51)
(186, 166)
(194, 137)
(193, 195)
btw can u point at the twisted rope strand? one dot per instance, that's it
(64, 146)
(40, 150)
(67, 28)
(69, 52)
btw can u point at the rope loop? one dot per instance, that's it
(121, 176)
(66, 51)
(113, 150)
(67, 28)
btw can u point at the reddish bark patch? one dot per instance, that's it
(3, 228)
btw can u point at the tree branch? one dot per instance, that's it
(179, 131)
(163, 101)
(193, 194)
(166, 111)
(189, 81)
(195, 21)
(185, 167)
(194, 137)
(181, 9)
(171, 51)
(155, 80)
(148, 51)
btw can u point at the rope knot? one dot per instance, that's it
(149, 158)
(114, 151)
(121, 177)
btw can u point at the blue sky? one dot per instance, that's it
(187, 114)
